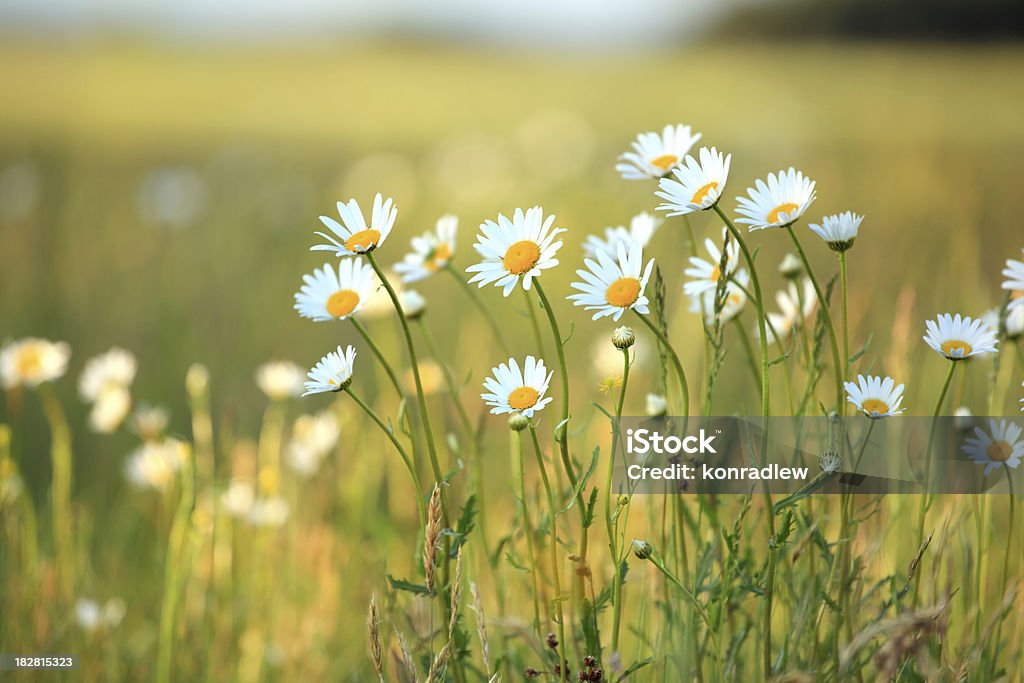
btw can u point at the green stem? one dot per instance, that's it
(409, 465)
(553, 512)
(748, 350)
(474, 294)
(538, 338)
(60, 454)
(381, 358)
(612, 504)
(517, 446)
(846, 324)
(676, 364)
(175, 571)
(1006, 564)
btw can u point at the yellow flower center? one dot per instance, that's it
(364, 240)
(521, 257)
(342, 303)
(999, 451)
(665, 161)
(700, 194)
(955, 345)
(716, 273)
(440, 256)
(29, 362)
(623, 292)
(735, 299)
(1017, 294)
(873, 405)
(788, 208)
(523, 398)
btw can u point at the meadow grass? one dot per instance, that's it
(271, 139)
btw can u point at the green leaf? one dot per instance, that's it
(634, 667)
(582, 481)
(408, 586)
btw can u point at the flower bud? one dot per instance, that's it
(790, 267)
(623, 500)
(623, 338)
(642, 549)
(518, 422)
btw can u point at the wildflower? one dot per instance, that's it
(332, 373)
(792, 312)
(313, 437)
(706, 274)
(518, 248)
(154, 463)
(623, 338)
(655, 405)
(1014, 274)
(329, 296)
(875, 397)
(413, 304)
(838, 231)
(654, 156)
(830, 462)
(642, 549)
(110, 410)
(641, 229)
(31, 361)
(149, 422)
(431, 251)
(695, 186)
(1001, 445)
(513, 390)
(957, 337)
(354, 235)
(1014, 322)
(237, 500)
(790, 267)
(612, 288)
(279, 380)
(735, 299)
(777, 203)
(104, 382)
(271, 511)
(963, 419)
(91, 615)
(517, 422)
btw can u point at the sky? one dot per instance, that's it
(569, 24)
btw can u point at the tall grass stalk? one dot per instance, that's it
(1003, 586)
(474, 294)
(60, 490)
(175, 570)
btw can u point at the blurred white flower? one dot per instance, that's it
(654, 155)
(796, 305)
(413, 304)
(149, 422)
(31, 361)
(110, 409)
(154, 463)
(655, 405)
(271, 511)
(313, 437)
(280, 379)
(172, 197)
(104, 382)
(431, 251)
(641, 230)
(1014, 320)
(237, 500)
(91, 615)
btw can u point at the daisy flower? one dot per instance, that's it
(641, 229)
(706, 274)
(279, 379)
(957, 337)
(1014, 274)
(520, 247)
(777, 203)
(113, 369)
(696, 186)
(413, 304)
(792, 313)
(110, 410)
(352, 236)
(154, 463)
(237, 500)
(875, 397)
(30, 362)
(431, 251)
(327, 295)
(150, 422)
(1014, 320)
(838, 231)
(612, 288)
(1000, 445)
(269, 512)
(332, 373)
(735, 299)
(312, 438)
(511, 390)
(654, 155)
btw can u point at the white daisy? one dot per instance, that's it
(413, 304)
(838, 231)
(149, 422)
(111, 370)
(1000, 445)
(777, 203)
(110, 409)
(237, 500)
(612, 288)
(312, 438)
(735, 299)
(654, 155)
(330, 296)
(332, 373)
(271, 511)
(279, 379)
(706, 274)
(695, 186)
(30, 362)
(641, 229)
(353, 235)
(1014, 320)
(511, 390)
(154, 463)
(957, 337)
(1014, 274)
(875, 397)
(792, 313)
(431, 251)
(520, 247)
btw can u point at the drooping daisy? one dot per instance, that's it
(777, 203)
(998, 446)
(695, 186)
(735, 299)
(706, 274)
(641, 229)
(875, 397)
(431, 251)
(957, 337)
(792, 312)
(353, 236)
(279, 379)
(332, 373)
(30, 362)
(838, 231)
(511, 390)
(327, 295)
(1014, 274)
(612, 288)
(518, 248)
(654, 155)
